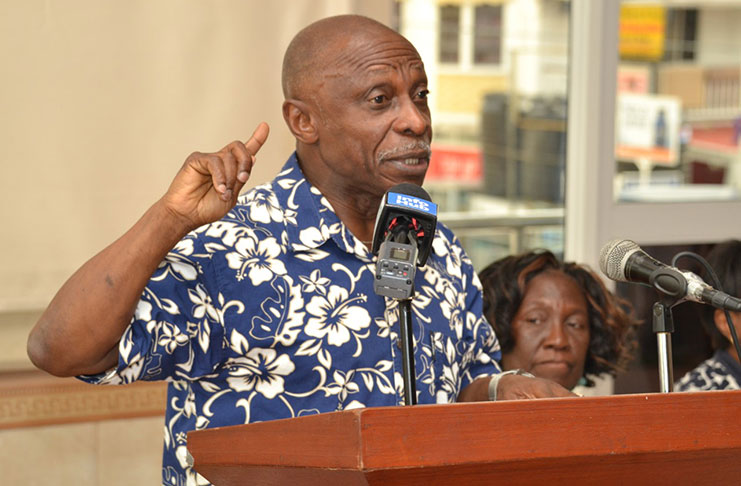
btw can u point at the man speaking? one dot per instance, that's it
(262, 306)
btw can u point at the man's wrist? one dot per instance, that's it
(494, 381)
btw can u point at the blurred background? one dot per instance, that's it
(557, 124)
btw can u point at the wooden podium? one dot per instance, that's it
(675, 438)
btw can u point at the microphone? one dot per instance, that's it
(402, 238)
(625, 261)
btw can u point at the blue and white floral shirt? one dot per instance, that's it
(720, 372)
(270, 313)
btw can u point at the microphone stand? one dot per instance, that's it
(663, 326)
(406, 214)
(407, 351)
(406, 334)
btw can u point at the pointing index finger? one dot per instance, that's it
(258, 138)
(252, 146)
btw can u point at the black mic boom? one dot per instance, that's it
(625, 261)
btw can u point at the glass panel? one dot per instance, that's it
(498, 102)
(678, 111)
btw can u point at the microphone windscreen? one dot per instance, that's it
(406, 206)
(612, 258)
(411, 190)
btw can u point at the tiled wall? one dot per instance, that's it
(63, 432)
(108, 453)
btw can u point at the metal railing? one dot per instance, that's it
(506, 233)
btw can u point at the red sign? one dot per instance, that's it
(455, 164)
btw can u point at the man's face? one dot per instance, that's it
(374, 129)
(551, 330)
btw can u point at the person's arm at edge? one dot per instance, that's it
(79, 331)
(513, 387)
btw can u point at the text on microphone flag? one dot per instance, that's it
(411, 202)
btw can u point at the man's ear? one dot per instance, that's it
(300, 121)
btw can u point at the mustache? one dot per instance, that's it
(416, 146)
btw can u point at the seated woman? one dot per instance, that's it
(556, 320)
(722, 371)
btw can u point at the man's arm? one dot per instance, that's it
(513, 387)
(80, 330)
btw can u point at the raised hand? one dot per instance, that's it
(80, 330)
(208, 184)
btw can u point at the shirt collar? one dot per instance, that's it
(310, 220)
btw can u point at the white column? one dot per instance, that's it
(590, 161)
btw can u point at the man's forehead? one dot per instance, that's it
(378, 73)
(380, 58)
(382, 68)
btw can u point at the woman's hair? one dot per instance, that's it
(725, 258)
(612, 329)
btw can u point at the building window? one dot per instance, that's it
(487, 41)
(681, 35)
(449, 33)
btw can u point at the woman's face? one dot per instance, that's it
(551, 330)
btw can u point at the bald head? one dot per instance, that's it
(320, 43)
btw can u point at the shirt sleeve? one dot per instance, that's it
(177, 331)
(484, 352)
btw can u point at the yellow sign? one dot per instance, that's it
(642, 31)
